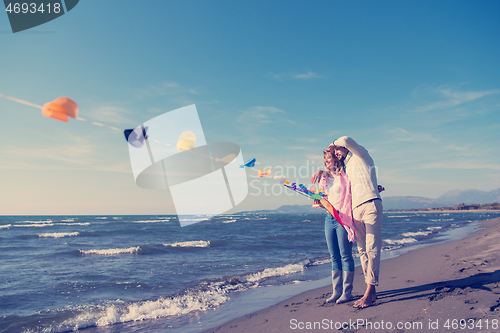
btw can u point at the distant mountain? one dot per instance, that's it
(409, 202)
(471, 196)
(449, 199)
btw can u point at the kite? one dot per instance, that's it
(318, 195)
(186, 141)
(262, 173)
(136, 137)
(249, 163)
(61, 109)
(281, 179)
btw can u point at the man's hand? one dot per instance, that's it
(380, 188)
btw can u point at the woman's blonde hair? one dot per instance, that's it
(338, 166)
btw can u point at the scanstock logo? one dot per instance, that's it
(26, 14)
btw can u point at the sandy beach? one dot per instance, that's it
(450, 287)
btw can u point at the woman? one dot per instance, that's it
(339, 239)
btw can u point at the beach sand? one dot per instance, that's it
(425, 290)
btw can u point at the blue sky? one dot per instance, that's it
(416, 83)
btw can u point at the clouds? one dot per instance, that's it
(309, 75)
(76, 153)
(259, 115)
(110, 114)
(175, 93)
(446, 97)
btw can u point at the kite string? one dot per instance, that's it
(20, 101)
(99, 124)
(103, 125)
(14, 99)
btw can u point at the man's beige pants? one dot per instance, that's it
(368, 227)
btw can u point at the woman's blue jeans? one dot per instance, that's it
(338, 244)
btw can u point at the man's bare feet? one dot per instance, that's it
(368, 298)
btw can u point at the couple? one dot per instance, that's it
(351, 181)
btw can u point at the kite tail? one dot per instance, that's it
(345, 209)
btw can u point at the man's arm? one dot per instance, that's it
(350, 144)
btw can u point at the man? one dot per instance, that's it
(366, 209)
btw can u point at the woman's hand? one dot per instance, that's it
(318, 203)
(317, 175)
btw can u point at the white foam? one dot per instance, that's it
(76, 223)
(150, 221)
(111, 251)
(5, 226)
(417, 233)
(138, 311)
(272, 272)
(58, 234)
(33, 225)
(229, 221)
(101, 218)
(434, 228)
(199, 243)
(319, 262)
(68, 220)
(37, 222)
(397, 216)
(400, 241)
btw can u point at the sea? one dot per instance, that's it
(107, 274)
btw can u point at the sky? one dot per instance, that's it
(417, 83)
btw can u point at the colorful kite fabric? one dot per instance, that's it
(262, 173)
(249, 164)
(318, 195)
(136, 137)
(60, 109)
(281, 179)
(186, 141)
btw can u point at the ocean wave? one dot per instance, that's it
(416, 233)
(150, 221)
(101, 218)
(400, 241)
(229, 221)
(5, 226)
(434, 228)
(33, 225)
(318, 262)
(111, 251)
(274, 272)
(58, 234)
(120, 312)
(199, 243)
(75, 223)
(204, 297)
(68, 220)
(391, 216)
(36, 222)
